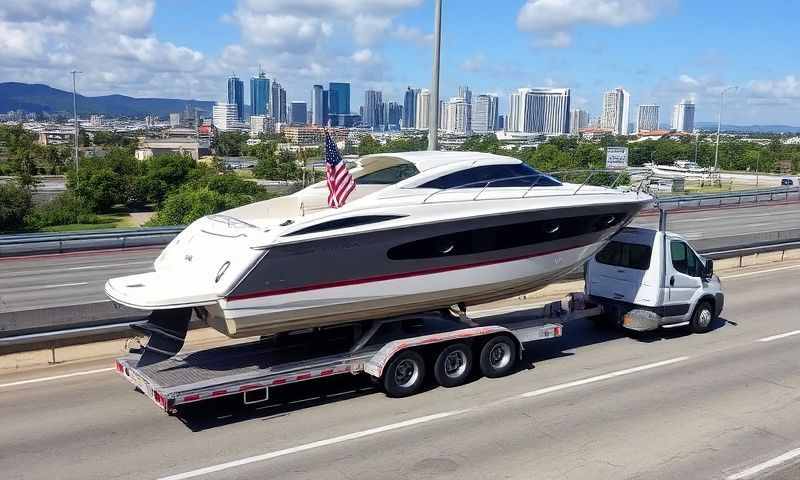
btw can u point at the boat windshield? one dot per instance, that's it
(505, 175)
(389, 175)
(230, 222)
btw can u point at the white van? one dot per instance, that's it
(646, 279)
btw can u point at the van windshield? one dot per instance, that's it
(626, 255)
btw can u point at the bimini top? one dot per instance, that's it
(426, 160)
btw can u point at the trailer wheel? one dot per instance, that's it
(453, 365)
(702, 318)
(498, 356)
(404, 374)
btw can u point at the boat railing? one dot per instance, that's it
(605, 174)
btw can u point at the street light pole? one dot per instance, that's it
(719, 126)
(75, 120)
(433, 120)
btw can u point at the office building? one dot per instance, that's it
(465, 93)
(578, 120)
(174, 120)
(458, 121)
(259, 94)
(373, 109)
(615, 114)
(339, 98)
(326, 113)
(683, 116)
(442, 116)
(317, 109)
(647, 118)
(539, 110)
(224, 116)
(394, 115)
(299, 113)
(277, 103)
(501, 122)
(261, 124)
(236, 95)
(423, 109)
(344, 119)
(484, 114)
(410, 108)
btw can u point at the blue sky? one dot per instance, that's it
(659, 50)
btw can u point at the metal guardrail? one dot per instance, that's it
(736, 194)
(75, 336)
(41, 243)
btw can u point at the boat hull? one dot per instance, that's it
(414, 269)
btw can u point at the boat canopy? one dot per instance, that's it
(426, 160)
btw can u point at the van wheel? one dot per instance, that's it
(498, 356)
(453, 365)
(703, 318)
(404, 374)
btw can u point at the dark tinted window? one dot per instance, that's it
(627, 255)
(478, 177)
(684, 260)
(344, 223)
(503, 237)
(388, 176)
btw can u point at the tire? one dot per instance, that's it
(498, 356)
(702, 318)
(404, 374)
(453, 365)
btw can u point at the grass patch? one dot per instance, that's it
(77, 227)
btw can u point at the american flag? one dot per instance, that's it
(340, 182)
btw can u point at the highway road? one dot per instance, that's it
(60, 280)
(592, 404)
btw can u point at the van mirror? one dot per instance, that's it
(709, 270)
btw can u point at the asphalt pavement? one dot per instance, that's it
(593, 404)
(39, 282)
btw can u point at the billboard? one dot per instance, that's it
(616, 157)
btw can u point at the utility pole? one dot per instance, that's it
(433, 127)
(719, 126)
(75, 119)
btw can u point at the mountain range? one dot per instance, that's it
(749, 128)
(40, 98)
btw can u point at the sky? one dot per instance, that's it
(661, 51)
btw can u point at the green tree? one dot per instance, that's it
(368, 145)
(15, 204)
(229, 144)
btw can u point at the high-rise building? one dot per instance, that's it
(393, 115)
(484, 114)
(326, 112)
(423, 109)
(465, 93)
(317, 109)
(578, 120)
(259, 94)
(339, 97)
(299, 113)
(410, 108)
(683, 116)
(647, 118)
(277, 103)
(615, 114)
(236, 95)
(458, 116)
(224, 116)
(174, 119)
(373, 107)
(539, 110)
(501, 122)
(442, 116)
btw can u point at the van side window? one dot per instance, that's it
(626, 255)
(684, 260)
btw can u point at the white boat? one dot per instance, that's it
(421, 231)
(681, 168)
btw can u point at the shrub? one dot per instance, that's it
(15, 204)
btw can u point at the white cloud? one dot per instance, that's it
(554, 19)
(786, 87)
(689, 81)
(363, 56)
(343, 8)
(412, 34)
(122, 15)
(474, 63)
(283, 32)
(368, 28)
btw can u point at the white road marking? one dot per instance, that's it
(72, 269)
(754, 470)
(778, 337)
(599, 378)
(739, 275)
(407, 423)
(56, 377)
(46, 287)
(310, 446)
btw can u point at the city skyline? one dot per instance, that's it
(162, 49)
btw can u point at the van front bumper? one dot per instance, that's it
(641, 320)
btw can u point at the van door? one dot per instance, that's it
(618, 270)
(683, 280)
